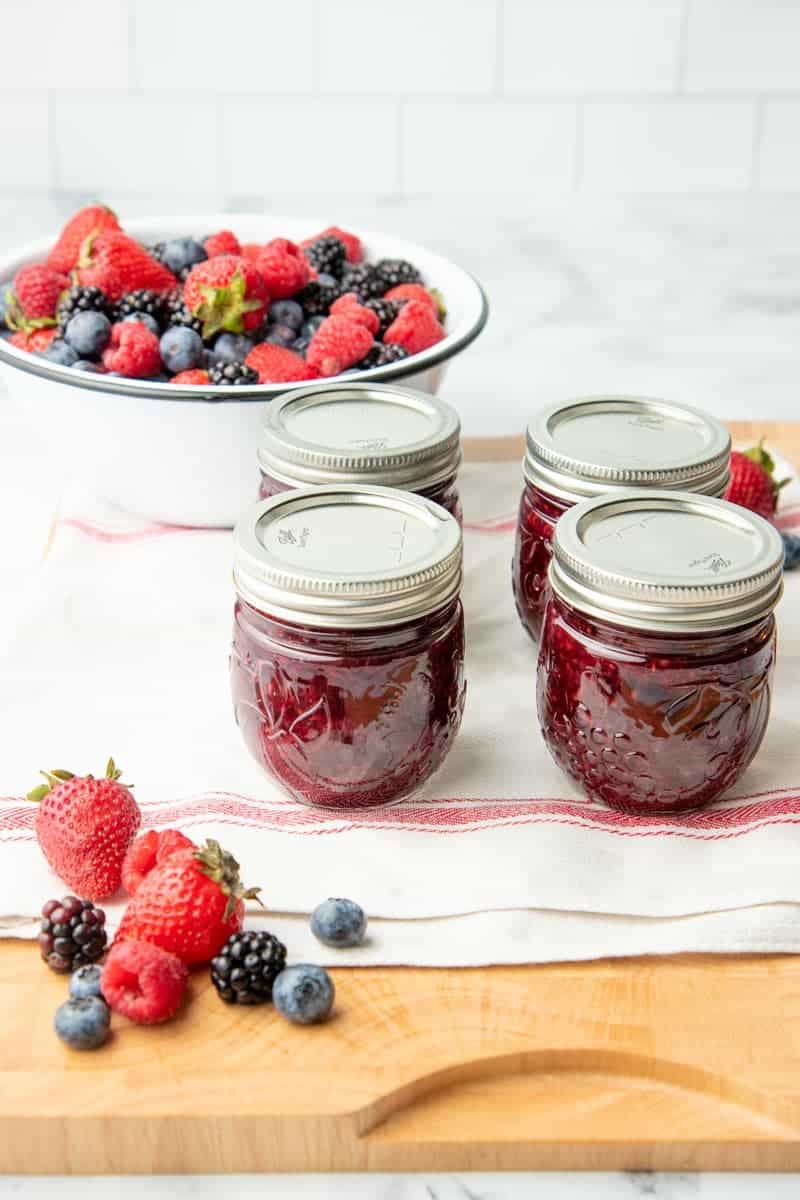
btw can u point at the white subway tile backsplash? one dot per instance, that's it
(735, 45)
(24, 140)
(487, 146)
(667, 145)
(142, 143)
(255, 46)
(289, 145)
(75, 44)
(591, 45)
(418, 46)
(779, 159)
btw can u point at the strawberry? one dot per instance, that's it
(142, 982)
(276, 364)
(223, 242)
(117, 265)
(35, 340)
(133, 351)
(189, 905)
(351, 243)
(251, 251)
(84, 827)
(150, 850)
(415, 291)
(33, 303)
(194, 375)
(752, 483)
(350, 306)
(415, 327)
(283, 268)
(87, 221)
(338, 344)
(226, 292)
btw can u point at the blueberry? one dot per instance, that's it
(310, 327)
(83, 364)
(145, 319)
(303, 994)
(301, 345)
(83, 1024)
(791, 551)
(5, 302)
(60, 352)
(181, 349)
(339, 923)
(85, 982)
(232, 347)
(180, 253)
(88, 333)
(326, 280)
(280, 335)
(286, 312)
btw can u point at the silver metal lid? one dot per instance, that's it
(592, 445)
(347, 556)
(360, 433)
(669, 561)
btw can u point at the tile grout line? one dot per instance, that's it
(499, 50)
(399, 150)
(577, 166)
(758, 137)
(133, 74)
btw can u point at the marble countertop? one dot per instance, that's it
(697, 299)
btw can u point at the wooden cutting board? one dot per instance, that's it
(687, 1063)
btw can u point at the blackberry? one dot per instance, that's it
(381, 354)
(394, 271)
(233, 374)
(386, 310)
(83, 299)
(247, 966)
(143, 301)
(72, 934)
(327, 254)
(316, 298)
(364, 281)
(179, 314)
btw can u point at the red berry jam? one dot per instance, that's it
(588, 447)
(647, 722)
(347, 667)
(362, 434)
(344, 718)
(658, 647)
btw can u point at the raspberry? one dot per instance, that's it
(251, 251)
(283, 268)
(351, 243)
(415, 291)
(196, 375)
(337, 344)
(150, 849)
(351, 307)
(276, 364)
(223, 242)
(415, 327)
(143, 982)
(132, 351)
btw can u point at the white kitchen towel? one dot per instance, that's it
(117, 643)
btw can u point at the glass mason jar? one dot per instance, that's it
(590, 446)
(347, 666)
(658, 647)
(362, 433)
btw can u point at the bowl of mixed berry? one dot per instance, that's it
(149, 352)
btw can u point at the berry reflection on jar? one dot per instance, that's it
(588, 447)
(347, 667)
(362, 434)
(658, 648)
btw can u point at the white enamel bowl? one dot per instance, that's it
(187, 455)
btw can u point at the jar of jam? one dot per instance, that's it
(658, 647)
(347, 666)
(362, 434)
(592, 446)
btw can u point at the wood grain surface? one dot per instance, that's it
(689, 1063)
